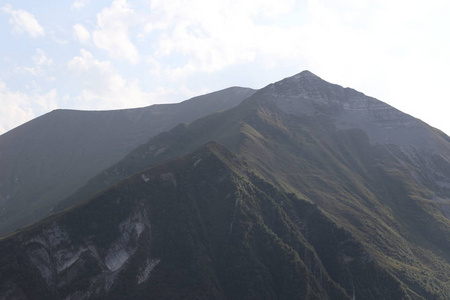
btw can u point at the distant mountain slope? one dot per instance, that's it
(50, 157)
(380, 174)
(202, 226)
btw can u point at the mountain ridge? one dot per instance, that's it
(392, 197)
(250, 107)
(347, 214)
(50, 157)
(308, 94)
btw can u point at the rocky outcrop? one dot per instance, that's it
(306, 94)
(421, 149)
(74, 266)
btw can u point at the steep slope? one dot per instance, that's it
(202, 226)
(382, 175)
(50, 157)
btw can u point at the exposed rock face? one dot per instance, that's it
(307, 94)
(421, 149)
(74, 266)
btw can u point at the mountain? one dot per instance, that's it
(202, 226)
(50, 157)
(380, 175)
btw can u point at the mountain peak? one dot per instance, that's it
(303, 78)
(304, 74)
(304, 85)
(306, 94)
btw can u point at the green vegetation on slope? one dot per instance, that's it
(217, 230)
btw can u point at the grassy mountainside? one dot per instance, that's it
(50, 157)
(203, 226)
(303, 135)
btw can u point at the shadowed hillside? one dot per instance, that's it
(48, 158)
(203, 226)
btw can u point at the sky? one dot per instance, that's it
(97, 55)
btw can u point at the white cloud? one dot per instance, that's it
(103, 87)
(14, 110)
(41, 63)
(41, 58)
(81, 33)
(113, 31)
(17, 107)
(208, 36)
(79, 4)
(23, 22)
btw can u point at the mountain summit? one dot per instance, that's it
(305, 94)
(305, 190)
(307, 86)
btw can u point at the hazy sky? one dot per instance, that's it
(95, 54)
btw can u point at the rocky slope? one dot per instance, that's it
(203, 226)
(50, 157)
(378, 173)
(407, 138)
